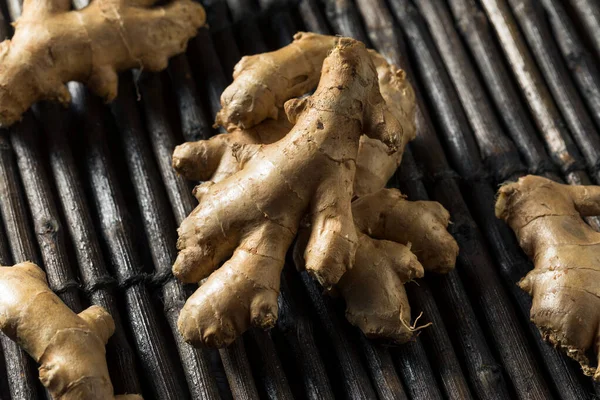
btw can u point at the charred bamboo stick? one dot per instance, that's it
(345, 20)
(158, 222)
(116, 228)
(163, 141)
(314, 20)
(274, 381)
(297, 329)
(564, 153)
(408, 360)
(548, 119)
(95, 279)
(207, 67)
(222, 34)
(588, 15)
(5, 259)
(280, 27)
(498, 152)
(356, 381)
(382, 31)
(21, 376)
(12, 207)
(159, 226)
(581, 63)
(529, 15)
(239, 374)
(195, 124)
(510, 341)
(4, 389)
(247, 29)
(383, 375)
(48, 227)
(472, 24)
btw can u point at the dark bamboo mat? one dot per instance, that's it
(504, 88)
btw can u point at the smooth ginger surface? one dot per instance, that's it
(53, 45)
(565, 283)
(69, 347)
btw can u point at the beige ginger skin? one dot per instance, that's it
(378, 305)
(53, 45)
(565, 283)
(69, 347)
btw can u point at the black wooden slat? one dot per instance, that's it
(530, 17)
(21, 372)
(385, 380)
(243, 15)
(473, 25)
(543, 109)
(298, 331)
(355, 380)
(588, 15)
(582, 65)
(222, 34)
(158, 221)
(498, 152)
(5, 260)
(48, 227)
(195, 124)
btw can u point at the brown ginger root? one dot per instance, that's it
(565, 283)
(69, 347)
(383, 310)
(255, 213)
(53, 45)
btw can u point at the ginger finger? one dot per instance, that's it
(412, 237)
(564, 284)
(264, 82)
(217, 158)
(374, 291)
(387, 215)
(68, 347)
(53, 45)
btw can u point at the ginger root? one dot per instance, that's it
(69, 347)
(53, 45)
(565, 283)
(255, 213)
(373, 288)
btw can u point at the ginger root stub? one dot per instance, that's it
(53, 45)
(565, 283)
(69, 347)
